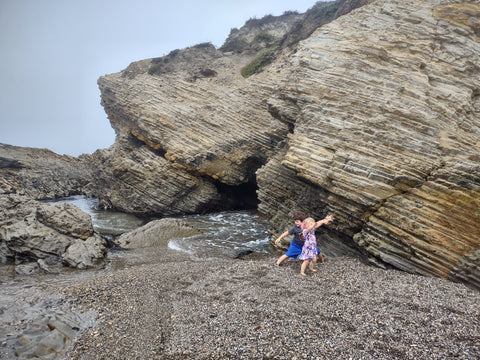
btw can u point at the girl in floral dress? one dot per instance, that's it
(309, 249)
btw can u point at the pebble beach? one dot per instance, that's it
(253, 309)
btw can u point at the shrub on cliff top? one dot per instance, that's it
(261, 60)
(265, 57)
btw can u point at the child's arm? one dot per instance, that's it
(326, 220)
(281, 237)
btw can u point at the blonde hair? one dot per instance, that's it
(309, 221)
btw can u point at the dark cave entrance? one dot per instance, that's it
(233, 197)
(238, 197)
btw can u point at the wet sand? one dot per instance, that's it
(252, 309)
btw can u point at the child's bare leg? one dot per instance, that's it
(303, 267)
(312, 264)
(321, 257)
(281, 259)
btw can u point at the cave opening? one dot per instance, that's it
(238, 197)
(233, 197)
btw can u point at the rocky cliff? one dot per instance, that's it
(385, 103)
(366, 110)
(37, 236)
(374, 117)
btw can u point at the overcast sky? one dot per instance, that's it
(53, 51)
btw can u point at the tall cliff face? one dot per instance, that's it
(385, 103)
(191, 131)
(374, 118)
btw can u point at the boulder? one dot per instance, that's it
(156, 233)
(35, 231)
(84, 254)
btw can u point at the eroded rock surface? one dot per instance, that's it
(156, 233)
(42, 174)
(47, 235)
(374, 118)
(385, 102)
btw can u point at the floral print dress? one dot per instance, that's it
(309, 249)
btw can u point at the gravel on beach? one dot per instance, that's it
(253, 309)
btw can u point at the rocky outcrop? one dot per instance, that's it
(374, 118)
(191, 130)
(156, 233)
(186, 146)
(47, 236)
(37, 236)
(42, 174)
(385, 103)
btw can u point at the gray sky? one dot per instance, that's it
(53, 51)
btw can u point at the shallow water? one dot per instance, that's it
(104, 221)
(225, 234)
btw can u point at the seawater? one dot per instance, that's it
(226, 233)
(104, 221)
(223, 234)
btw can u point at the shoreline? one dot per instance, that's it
(251, 309)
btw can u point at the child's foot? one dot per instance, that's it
(303, 274)
(312, 269)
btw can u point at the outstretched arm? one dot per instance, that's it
(324, 221)
(281, 237)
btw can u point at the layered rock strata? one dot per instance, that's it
(191, 130)
(42, 174)
(373, 118)
(385, 103)
(184, 141)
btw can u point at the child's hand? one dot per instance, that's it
(329, 218)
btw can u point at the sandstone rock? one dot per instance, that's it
(156, 233)
(84, 254)
(36, 231)
(27, 268)
(49, 336)
(137, 180)
(67, 219)
(385, 106)
(40, 173)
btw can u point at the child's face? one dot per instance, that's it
(298, 222)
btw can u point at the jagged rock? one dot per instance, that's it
(138, 180)
(66, 219)
(42, 174)
(190, 129)
(156, 233)
(49, 336)
(84, 254)
(45, 233)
